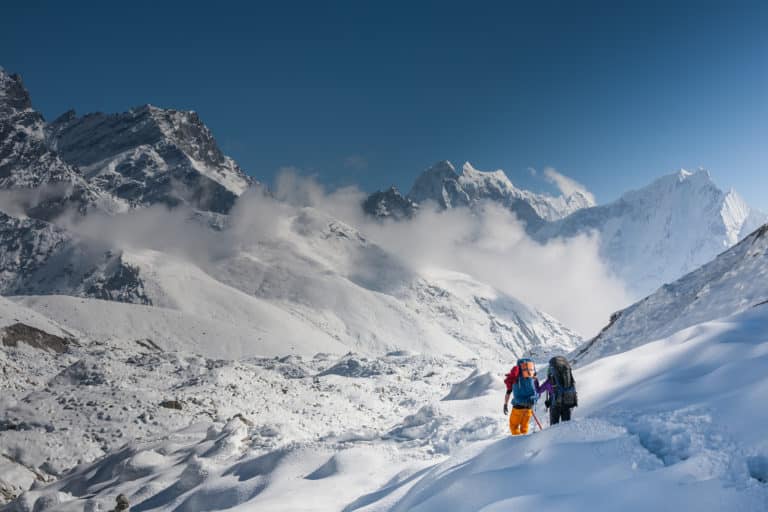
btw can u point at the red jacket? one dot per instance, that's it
(512, 376)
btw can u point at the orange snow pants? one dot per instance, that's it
(518, 421)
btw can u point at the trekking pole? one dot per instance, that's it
(537, 419)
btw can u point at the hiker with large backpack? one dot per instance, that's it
(524, 387)
(561, 390)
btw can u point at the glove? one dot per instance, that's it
(506, 409)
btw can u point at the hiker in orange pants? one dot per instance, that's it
(522, 385)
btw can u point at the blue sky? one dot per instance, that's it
(612, 94)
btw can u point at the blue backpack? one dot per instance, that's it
(524, 390)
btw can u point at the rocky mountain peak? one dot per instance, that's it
(389, 204)
(13, 95)
(151, 155)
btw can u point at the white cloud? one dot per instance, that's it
(565, 278)
(566, 185)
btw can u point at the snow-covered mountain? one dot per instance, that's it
(735, 281)
(658, 233)
(150, 155)
(42, 184)
(648, 237)
(110, 162)
(449, 189)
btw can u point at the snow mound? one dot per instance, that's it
(477, 384)
(356, 366)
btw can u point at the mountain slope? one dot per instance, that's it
(734, 281)
(663, 231)
(150, 155)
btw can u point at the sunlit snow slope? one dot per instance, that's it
(734, 281)
(672, 425)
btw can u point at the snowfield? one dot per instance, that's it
(671, 425)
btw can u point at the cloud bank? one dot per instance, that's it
(565, 278)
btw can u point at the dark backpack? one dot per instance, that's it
(563, 383)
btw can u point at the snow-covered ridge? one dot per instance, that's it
(735, 281)
(444, 186)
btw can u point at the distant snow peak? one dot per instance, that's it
(662, 231)
(442, 185)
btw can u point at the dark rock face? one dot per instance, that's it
(15, 97)
(172, 404)
(149, 155)
(43, 184)
(38, 258)
(121, 283)
(389, 204)
(26, 245)
(14, 334)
